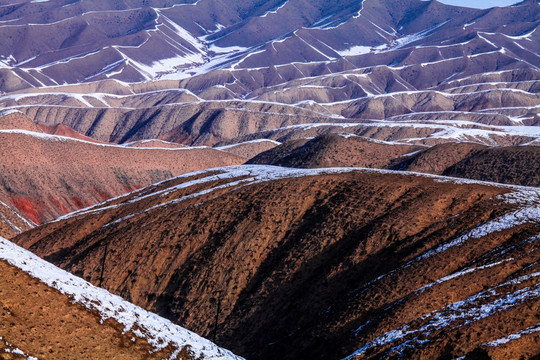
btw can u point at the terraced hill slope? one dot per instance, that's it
(319, 264)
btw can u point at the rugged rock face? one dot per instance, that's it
(298, 264)
(47, 313)
(44, 176)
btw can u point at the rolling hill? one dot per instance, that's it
(319, 263)
(44, 176)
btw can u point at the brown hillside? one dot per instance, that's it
(509, 165)
(249, 149)
(17, 120)
(335, 150)
(62, 130)
(12, 222)
(47, 313)
(436, 159)
(46, 176)
(311, 264)
(41, 322)
(518, 165)
(155, 144)
(277, 153)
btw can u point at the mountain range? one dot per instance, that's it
(422, 71)
(290, 179)
(318, 263)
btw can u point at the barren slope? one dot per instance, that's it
(517, 165)
(337, 150)
(317, 264)
(509, 165)
(437, 159)
(219, 71)
(47, 313)
(44, 176)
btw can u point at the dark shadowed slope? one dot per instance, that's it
(509, 165)
(317, 264)
(518, 165)
(47, 313)
(336, 150)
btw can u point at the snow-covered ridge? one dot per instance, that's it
(158, 331)
(474, 308)
(225, 147)
(246, 175)
(9, 112)
(61, 138)
(480, 4)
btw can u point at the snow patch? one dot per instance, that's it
(356, 50)
(159, 332)
(515, 336)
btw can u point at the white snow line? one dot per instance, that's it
(158, 331)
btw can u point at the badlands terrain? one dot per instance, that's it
(290, 179)
(318, 263)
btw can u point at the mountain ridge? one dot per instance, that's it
(127, 331)
(285, 245)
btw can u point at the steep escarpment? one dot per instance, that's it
(294, 264)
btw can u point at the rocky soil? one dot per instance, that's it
(317, 264)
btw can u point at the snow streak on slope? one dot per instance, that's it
(474, 308)
(310, 58)
(159, 332)
(245, 175)
(480, 226)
